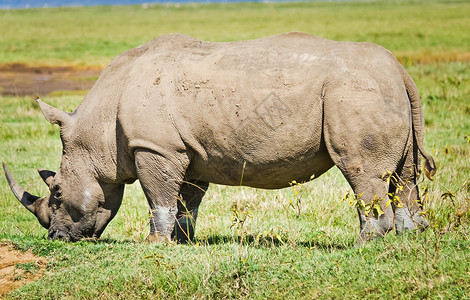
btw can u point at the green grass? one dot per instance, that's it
(276, 253)
(94, 35)
(111, 269)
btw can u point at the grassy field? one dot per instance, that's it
(425, 31)
(279, 251)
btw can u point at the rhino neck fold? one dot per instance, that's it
(99, 136)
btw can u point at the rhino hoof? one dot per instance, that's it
(421, 222)
(404, 221)
(372, 229)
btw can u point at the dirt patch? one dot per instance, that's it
(18, 268)
(24, 80)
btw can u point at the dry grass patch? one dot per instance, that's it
(18, 268)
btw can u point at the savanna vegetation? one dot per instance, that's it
(298, 242)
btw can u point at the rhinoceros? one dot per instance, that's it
(178, 113)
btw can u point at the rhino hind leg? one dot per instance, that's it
(409, 215)
(373, 224)
(191, 194)
(161, 181)
(365, 142)
(376, 218)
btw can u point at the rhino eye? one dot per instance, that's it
(57, 192)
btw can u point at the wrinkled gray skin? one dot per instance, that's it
(177, 113)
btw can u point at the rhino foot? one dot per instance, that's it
(405, 221)
(371, 228)
(183, 231)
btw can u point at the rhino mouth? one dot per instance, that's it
(57, 234)
(68, 236)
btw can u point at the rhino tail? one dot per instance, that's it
(418, 123)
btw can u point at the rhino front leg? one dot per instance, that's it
(191, 194)
(161, 179)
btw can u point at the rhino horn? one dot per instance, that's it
(46, 176)
(38, 206)
(54, 115)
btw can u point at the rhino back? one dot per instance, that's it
(251, 107)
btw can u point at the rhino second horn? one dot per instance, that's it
(38, 206)
(47, 176)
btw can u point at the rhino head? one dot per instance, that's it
(79, 204)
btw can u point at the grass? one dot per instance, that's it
(111, 269)
(276, 252)
(94, 35)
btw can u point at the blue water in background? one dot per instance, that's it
(15, 4)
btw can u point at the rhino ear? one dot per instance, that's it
(54, 115)
(47, 176)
